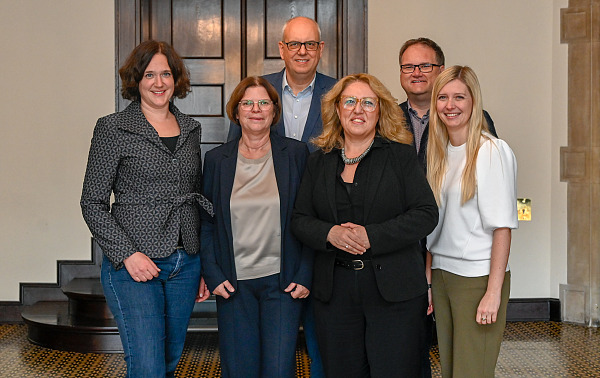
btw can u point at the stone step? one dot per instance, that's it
(87, 299)
(51, 325)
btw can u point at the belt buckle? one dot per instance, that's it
(362, 265)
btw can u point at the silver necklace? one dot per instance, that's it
(358, 158)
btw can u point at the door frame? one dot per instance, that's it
(351, 55)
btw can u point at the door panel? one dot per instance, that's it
(198, 30)
(263, 37)
(223, 41)
(278, 12)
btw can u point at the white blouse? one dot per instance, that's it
(462, 241)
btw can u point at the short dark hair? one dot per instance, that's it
(240, 90)
(132, 71)
(439, 54)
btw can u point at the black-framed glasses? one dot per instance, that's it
(262, 104)
(368, 104)
(423, 67)
(308, 45)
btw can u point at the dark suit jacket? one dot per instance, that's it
(155, 189)
(399, 210)
(423, 147)
(218, 264)
(314, 123)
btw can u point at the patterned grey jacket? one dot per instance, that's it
(155, 190)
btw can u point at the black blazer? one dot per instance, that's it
(314, 123)
(155, 189)
(399, 210)
(422, 154)
(218, 263)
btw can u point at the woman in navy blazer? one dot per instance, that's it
(258, 312)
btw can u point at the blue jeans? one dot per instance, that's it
(153, 316)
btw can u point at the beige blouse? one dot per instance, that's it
(255, 218)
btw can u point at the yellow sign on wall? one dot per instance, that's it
(524, 209)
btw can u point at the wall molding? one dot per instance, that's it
(519, 309)
(533, 309)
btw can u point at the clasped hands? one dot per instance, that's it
(349, 237)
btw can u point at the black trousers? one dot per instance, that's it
(362, 335)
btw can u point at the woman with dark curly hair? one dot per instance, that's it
(148, 156)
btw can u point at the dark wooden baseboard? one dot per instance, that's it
(10, 312)
(519, 309)
(533, 309)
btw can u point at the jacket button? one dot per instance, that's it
(378, 267)
(174, 160)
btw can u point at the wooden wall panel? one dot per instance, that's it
(198, 31)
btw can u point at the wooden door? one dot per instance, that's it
(224, 41)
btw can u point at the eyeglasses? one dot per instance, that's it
(262, 104)
(309, 45)
(368, 104)
(424, 67)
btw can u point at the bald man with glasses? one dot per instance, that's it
(299, 85)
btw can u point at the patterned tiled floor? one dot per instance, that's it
(529, 349)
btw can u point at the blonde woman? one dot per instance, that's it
(473, 177)
(363, 205)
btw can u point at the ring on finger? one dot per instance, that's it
(347, 246)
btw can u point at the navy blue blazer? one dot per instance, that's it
(218, 263)
(314, 122)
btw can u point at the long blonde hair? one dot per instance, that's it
(391, 124)
(438, 135)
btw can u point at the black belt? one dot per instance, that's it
(351, 264)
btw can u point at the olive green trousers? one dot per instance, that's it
(467, 349)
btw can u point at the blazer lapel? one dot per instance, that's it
(278, 83)
(314, 113)
(227, 175)
(281, 163)
(379, 159)
(138, 124)
(186, 126)
(330, 169)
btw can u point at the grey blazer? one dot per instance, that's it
(155, 190)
